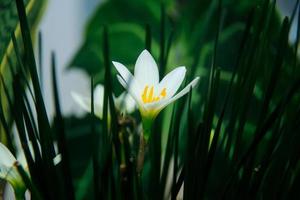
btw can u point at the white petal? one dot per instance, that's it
(183, 91)
(125, 103)
(6, 157)
(85, 103)
(132, 88)
(99, 100)
(8, 170)
(172, 81)
(99, 94)
(124, 72)
(7, 161)
(146, 70)
(130, 83)
(158, 106)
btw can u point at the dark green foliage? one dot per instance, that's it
(8, 25)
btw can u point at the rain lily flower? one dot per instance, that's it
(9, 171)
(151, 94)
(124, 103)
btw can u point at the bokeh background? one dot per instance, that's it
(63, 27)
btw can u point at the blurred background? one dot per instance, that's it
(63, 27)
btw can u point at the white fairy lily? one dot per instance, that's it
(124, 103)
(9, 171)
(150, 94)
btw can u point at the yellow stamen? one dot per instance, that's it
(144, 95)
(163, 93)
(149, 97)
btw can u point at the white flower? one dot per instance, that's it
(124, 103)
(150, 94)
(9, 171)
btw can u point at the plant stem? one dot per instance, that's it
(147, 126)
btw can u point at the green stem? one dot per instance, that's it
(147, 126)
(19, 195)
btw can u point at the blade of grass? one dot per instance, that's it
(177, 184)
(213, 148)
(95, 145)
(115, 178)
(274, 77)
(106, 139)
(202, 147)
(208, 112)
(281, 52)
(19, 119)
(33, 190)
(31, 132)
(44, 126)
(31, 117)
(6, 130)
(20, 63)
(168, 154)
(243, 87)
(210, 154)
(46, 139)
(260, 133)
(129, 184)
(108, 90)
(61, 135)
(40, 60)
(275, 72)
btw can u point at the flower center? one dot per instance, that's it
(148, 94)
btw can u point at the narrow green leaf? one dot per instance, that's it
(33, 190)
(61, 135)
(44, 126)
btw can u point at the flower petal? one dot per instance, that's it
(99, 94)
(158, 106)
(172, 81)
(183, 91)
(146, 70)
(125, 103)
(85, 103)
(127, 77)
(7, 161)
(82, 101)
(8, 170)
(123, 71)
(6, 157)
(132, 90)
